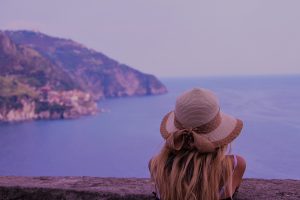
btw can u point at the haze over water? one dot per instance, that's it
(120, 141)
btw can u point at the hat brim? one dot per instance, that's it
(225, 133)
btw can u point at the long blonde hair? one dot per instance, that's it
(189, 174)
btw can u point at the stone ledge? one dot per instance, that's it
(92, 188)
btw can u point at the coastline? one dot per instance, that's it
(47, 105)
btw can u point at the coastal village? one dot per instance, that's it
(66, 104)
(50, 104)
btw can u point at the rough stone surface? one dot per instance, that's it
(92, 188)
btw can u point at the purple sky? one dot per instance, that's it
(173, 37)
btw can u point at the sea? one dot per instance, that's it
(120, 140)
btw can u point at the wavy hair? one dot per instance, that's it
(190, 175)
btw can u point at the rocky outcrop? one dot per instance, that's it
(43, 77)
(92, 188)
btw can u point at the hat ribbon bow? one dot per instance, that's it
(189, 139)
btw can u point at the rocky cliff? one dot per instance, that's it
(45, 77)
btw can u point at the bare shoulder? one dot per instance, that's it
(241, 162)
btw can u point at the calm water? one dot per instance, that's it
(120, 141)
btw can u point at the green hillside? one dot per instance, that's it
(10, 86)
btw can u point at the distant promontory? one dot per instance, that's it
(44, 77)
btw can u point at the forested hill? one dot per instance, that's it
(52, 77)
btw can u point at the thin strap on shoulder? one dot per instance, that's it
(235, 162)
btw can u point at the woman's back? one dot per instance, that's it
(194, 175)
(193, 165)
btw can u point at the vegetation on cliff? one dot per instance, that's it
(93, 71)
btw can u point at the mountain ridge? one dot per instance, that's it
(65, 77)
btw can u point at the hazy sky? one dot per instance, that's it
(173, 37)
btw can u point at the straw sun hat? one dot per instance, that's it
(198, 123)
